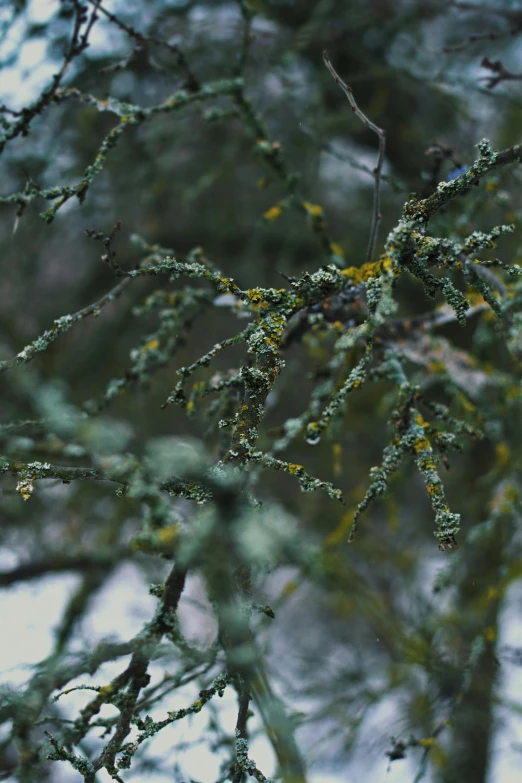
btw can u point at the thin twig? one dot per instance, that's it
(482, 37)
(78, 43)
(142, 40)
(247, 15)
(376, 219)
(60, 562)
(352, 161)
(502, 73)
(62, 325)
(513, 17)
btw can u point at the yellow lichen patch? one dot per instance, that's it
(254, 295)
(106, 690)
(491, 186)
(426, 464)
(338, 325)
(313, 209)
(504, 499)
(490, 633)
(362, 273)
(337, 250)
(289, 588)
(25, 488)
(190, 406)
(503, 454)
(274, 327)
(226, 284)
(272, 213)
(437, 754)
(124, 119)
(150, 346)
(168, 534)
(466, 403)
(421, 445)
(293, 468)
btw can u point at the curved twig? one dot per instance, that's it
(377, 172)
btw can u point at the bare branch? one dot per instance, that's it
(513, 17)
(377, 172)
(502, 73)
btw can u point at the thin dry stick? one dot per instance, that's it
(141, 40)
(512, 16)
(377, 171)
(482, 37)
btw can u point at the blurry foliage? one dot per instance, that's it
(254, 387)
